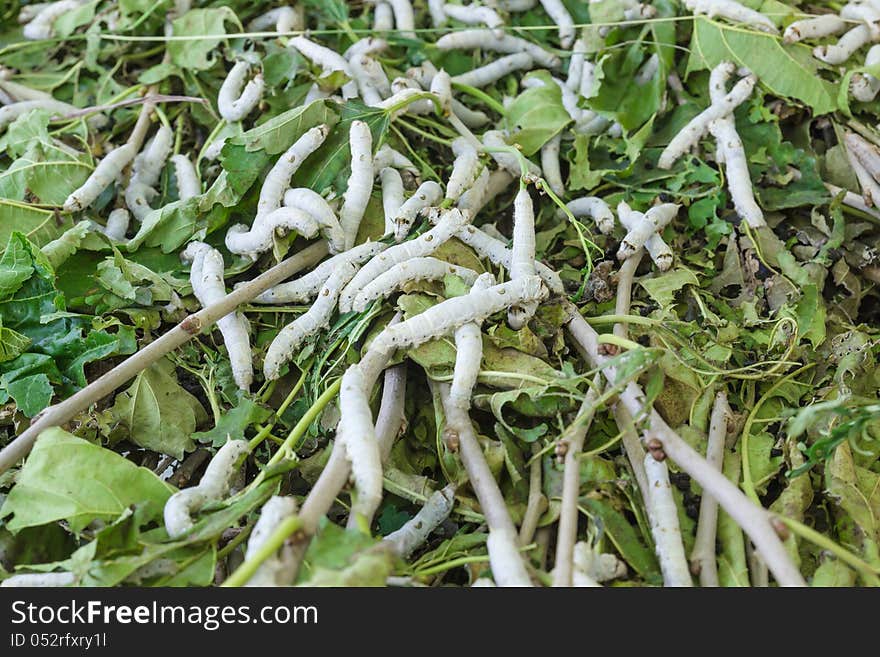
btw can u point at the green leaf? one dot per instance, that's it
(16, 264)
(234, 422)
(662, 288)
(12, 343)
(67, 478)
(788, 71)
(31, 394)
(40, 226)
(537, 115)
(159, 414)
(196, 54)
(625, 538)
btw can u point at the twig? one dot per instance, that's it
(536, 504)
(752, 518)
(665, 527)
(508, 568)
(153, 100)
(573, 439)
(703, 561)
(186, 330)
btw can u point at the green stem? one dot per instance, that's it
(479, 94)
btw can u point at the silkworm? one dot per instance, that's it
(371, 80)
(20, 93)
(314, 204)
(522, 259)
(213, 486)
(476, 15)
(42, 26)
(688, 136)
(638, 12)
(187, 177)
(256, 240)
(494, 139)
(329, 61)
(486, 40)
(732, 11)
(206, 278)
(117, 224)
(865, 13)
(277, 181)
(428, 194)
(586, 121)
(664, 524)
(365, 46)
(316, 318)
(732, 153)
(450, 223)
(472, 199)
(424, 75)
(550, 165)
(145, 172)
(656, 247)
(845, 47)
(865, 161)
(864, 86)
(436, 10)
(392, 196)
(648, 71)
(468, 353)
(814, 28)
(33, 580)
(283, 19)
(383, 17)
(559, 15)
(404, 18)
(588, 79)
(409, 271)
(404, 541)
(360, 181)
(28, 12)
(306, 287)
(516, 5)
(644, 225)
(278, 569)
(450, 314)
(233, 103)
(494, 71)
(495, 250)
(464, 168)
(106, 172)
(388, 157)
(595, 208)
(869, 186)
(576, 65)
(9, 113)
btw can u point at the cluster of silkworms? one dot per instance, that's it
(357, 275)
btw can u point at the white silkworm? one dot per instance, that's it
(316, 93)
(664, 525)
(233, 103)
(117, 224)
(495, 250)
(315, 205)
(404, 18)
(428, 194)
(550, 165)
(365, 46)
(415, 531)
(586, 121)
(733, 154)
(576, 65)
(360, 181)
(278, 569)
(865, 161)
(814, 28)
(845, 47)
(306, 287)
(392, 196)
(383, 17)
(600, 567)
(441, 86)
(20, 93)
(732, 11)
(639, 12)
(494, 71)
(450, 314)
(595, 208)
(283, 19)
(864, 86)
(644, 225)
(476, 15)
(409, 271)
(436, 10)
(648, 71)
(865, 13)
(464, 168)
(28, 12)
(277, 181)
(472, 199)
(9, 113)
(419, 107)
(106, 172)
(486, 40)
(494, 139)
(213, 486)
(869, 186)
(451, 222)
(33, 580)
(468, 353)
(388, 157)
(657, 248)
(522, 254)
(588, 79)
(329, 61)
(145, 172)
(505, 559)
(42, 26)
(516, 5)
(559, 15)
(253, 241)
(316, 318)
(212, 151)
(688, 136)
(371, 80)
(206, 278)
(471, 118)
(187, 177)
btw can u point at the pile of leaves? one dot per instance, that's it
(785, 319)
